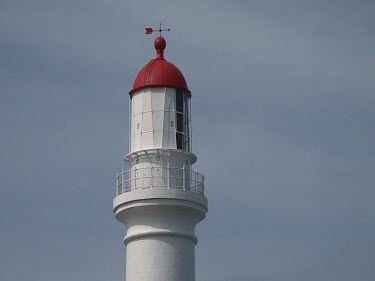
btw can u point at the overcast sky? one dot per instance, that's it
(283, 113)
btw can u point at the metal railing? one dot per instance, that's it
(160, 177)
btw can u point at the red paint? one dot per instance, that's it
(160, 45)
(159, 72)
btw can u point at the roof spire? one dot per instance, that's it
(159, 43)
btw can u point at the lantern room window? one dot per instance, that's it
(182, 120)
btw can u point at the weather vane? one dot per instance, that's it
(150, 30)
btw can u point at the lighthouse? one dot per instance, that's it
(160, 197)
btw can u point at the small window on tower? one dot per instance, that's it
(172, 124)
(137, 126)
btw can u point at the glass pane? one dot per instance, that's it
(179, 101)
(179, 140)
(180, 122)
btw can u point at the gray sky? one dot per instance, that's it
(283, 122)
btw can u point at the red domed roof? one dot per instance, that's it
(159, 72)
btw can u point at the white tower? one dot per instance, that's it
(160, 198)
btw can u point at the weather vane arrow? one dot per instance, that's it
(150, 30)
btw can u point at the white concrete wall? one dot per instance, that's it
(160, 258)
(160, 236)
(171, 168)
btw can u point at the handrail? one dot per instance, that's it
(160, 177)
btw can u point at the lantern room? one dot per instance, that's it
(160, 106)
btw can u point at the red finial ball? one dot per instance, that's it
(160, 44)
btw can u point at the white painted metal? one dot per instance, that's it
(153, 119)
(160, 198)
(160, 177)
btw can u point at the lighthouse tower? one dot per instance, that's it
(160, 199)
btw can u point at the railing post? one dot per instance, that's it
(122, 181)
(183, 177)
(168, 173)
(117, 190)
(135, 178)
(196, 180)
(143, 177)
(152, 176)
(203, 184)
(191, 180)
